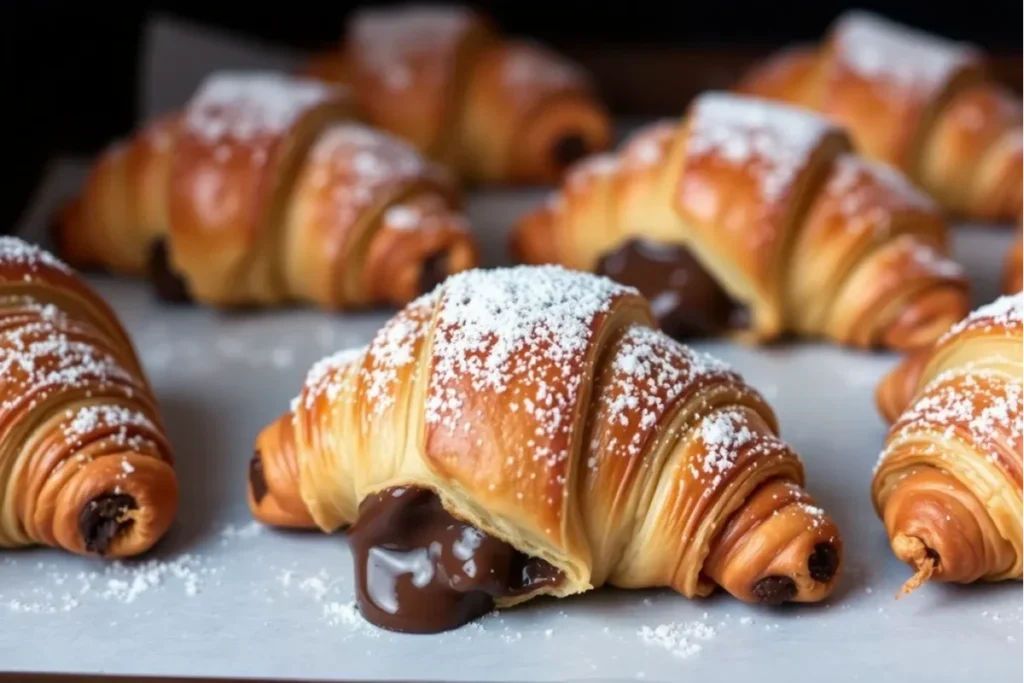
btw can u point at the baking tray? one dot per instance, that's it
(222, 596)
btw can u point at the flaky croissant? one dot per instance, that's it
(755, 219)
(492, 110)
(948, 484)
(922, 103)
(84, 462)
(525, 431)
(262, 192)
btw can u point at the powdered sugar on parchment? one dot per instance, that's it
(244, 106)
(773, 141)
(682, 639)
(880, 49)
(1004, 314)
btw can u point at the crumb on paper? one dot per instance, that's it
(683, 640)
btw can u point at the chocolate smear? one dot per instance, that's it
(774, 590)
(103, 518)
(257, 480)
(168, 285)
(421, 570)
(685, 298)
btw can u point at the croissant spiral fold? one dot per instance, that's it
(265, 191)
(948, 483)
(543, 408)
(493, 110)
(919, 102)
(84, 462)
(769, 204)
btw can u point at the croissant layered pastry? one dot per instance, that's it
(264, 191)
(755, 219)
(528, 431)
(919, 102)
(84, 462)
(948, 484)
(494, 110)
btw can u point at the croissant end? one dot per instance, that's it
(897, 388)
(926, 317)
(779, 547)
(273, 483)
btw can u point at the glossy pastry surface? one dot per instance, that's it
(526, 431)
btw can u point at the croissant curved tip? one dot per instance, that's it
(272, 486)
(912, 551)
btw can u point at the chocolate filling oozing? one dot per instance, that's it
(421, 570)
(168, 285)
(257, 480)
(103, 518)
(569, 149)
(774, 590)
(685, 298)
(823, 562)
(434, 272)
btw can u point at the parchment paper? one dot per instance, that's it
(222, 596)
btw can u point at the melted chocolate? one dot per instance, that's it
(103, 518)
(257, 480)
(823, 562)
(569, 149)
(168, 285)
(421, 570)
(434, 272)
(686, 300)
(774, 590)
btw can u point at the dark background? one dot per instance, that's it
(70, 67)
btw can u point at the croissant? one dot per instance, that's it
(919, 102)
(1013, 275)
(755, 220)
(948, 484)
(526, 430)
(84, 462)
(493, 110)
(263, 191)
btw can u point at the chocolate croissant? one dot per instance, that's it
(493, 110)
(948, 484)
(919, 102)
(755, 220)
(84, 462)
(525, 431)
(263, 191)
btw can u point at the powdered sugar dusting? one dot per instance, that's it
(583, 171)
(243, 105)
(877, 48)
(528, 68)
(774, 140)
(855, 182)
(683, 639)
(650, 372)
(387, 41)
(393, 349)
(16, 251)
(724, 434)
(125, 423)
(325, 378)
(649, 145)
(1005, 314)
(983, 408)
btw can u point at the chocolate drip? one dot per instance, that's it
(774, 590)
(434, 272)
(685, 298)
(103, 518)
(168, 285)
(569, 149)
(421, 570)
(257, 480)
(823, 562)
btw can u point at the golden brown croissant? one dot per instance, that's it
(525, 431)
(84, 463)
(754, 219)
(491, 109)
(948, 484)
(922, 103)
(263, 192)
